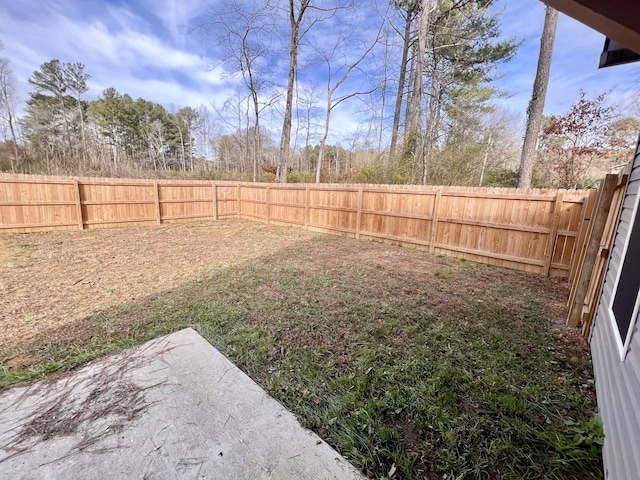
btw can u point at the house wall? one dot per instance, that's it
(617, 380)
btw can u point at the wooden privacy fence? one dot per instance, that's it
(42, 203)
(532, 230)
(525, 229)
(594, 241)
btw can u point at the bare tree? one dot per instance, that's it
(336, 78)
(7, 105)
(299, 27)
(409, 12)
(203, 134)
(176, 121)
(416, 98)
(76, 82)
(233, 148)
(386, 59)
(536, 105)
(296, 16)
(244, 35)
(306, 99)
(155, 134)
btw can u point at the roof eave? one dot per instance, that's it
(616, 19)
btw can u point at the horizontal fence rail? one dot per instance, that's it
(526, 229)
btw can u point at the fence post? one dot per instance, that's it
(78, 205)
(553, 232)
(434, 222)
(607, 189)
(156, 189)
(359, 213)
(238, 200)
(268, 204)
(215, 201)
(307, 200)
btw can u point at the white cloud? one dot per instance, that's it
(177, 16)
(119, 49)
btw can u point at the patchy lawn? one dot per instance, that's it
(411, 365)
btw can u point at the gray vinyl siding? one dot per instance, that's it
(618, 382)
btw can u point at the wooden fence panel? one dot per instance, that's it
(180, 202)
(286, 205)
(532, 230)
(588, 210)
(400, 216)
(333, 209)
(253, 201)
(118, 203)
(36, 205)
(506, 228)
(227, 201)
(570, 218)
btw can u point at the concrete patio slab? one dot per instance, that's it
(172, 408)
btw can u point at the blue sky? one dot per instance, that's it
(574, 66)
(142, 48)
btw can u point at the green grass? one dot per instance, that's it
(25, 249)
(429, 372)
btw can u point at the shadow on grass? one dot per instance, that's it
(401, 360)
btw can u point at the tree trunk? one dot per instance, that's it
(288, 114)
(84, 138)
(431, 131)
(115, 157)
(182, 158)
(410, 87)
(401, 81)
(11, 121)
(486, 159)
(383, 93)
(536, 106)
(256, 133)
(325, 135)
(416, 99)
(295, 21)
(67, 129)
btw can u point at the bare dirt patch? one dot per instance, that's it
(62, 277)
